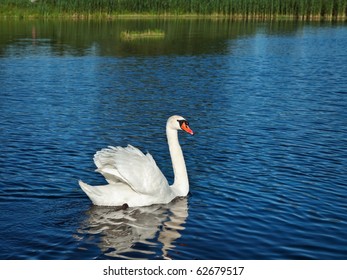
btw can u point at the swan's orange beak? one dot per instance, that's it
(186, 128)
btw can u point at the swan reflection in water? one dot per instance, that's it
(137, 233)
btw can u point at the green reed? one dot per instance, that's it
(249, 9)
(146, 34)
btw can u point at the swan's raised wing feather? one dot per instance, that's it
(131, 166)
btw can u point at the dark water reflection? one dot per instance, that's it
(102, 38)
(267, 165)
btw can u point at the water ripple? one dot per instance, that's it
(267, 164)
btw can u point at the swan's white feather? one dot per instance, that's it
(130, 166)
(117, 194)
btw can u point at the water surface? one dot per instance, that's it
(267, 165)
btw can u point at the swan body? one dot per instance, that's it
(134, 178)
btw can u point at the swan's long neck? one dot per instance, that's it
(181, 183)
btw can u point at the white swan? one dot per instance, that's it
(134, 179)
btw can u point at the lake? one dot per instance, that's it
(267, 164)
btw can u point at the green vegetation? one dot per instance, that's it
(246, 9)
(132, 35)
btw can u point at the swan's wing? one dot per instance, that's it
(131, 166)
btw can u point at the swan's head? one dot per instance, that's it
(179, 123)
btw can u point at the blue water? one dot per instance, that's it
(267, 165)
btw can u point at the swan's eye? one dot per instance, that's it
(181, 122)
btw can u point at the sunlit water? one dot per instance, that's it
(267, 166)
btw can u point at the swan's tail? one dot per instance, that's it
(89, 190)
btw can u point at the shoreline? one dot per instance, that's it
(54, 13)
(106, 16)
(295, 10)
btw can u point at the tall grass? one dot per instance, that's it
(298, 9)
